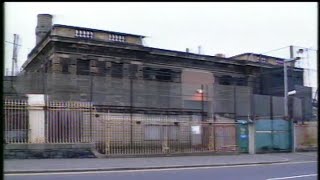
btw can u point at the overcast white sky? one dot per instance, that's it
(229, 28)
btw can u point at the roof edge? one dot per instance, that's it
(96, 30)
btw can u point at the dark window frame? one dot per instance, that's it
(80, 67)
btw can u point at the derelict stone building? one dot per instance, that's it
(116, 69)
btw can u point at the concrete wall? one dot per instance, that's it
(306, 136)
(116, 128)
(52, 151)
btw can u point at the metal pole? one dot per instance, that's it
(131, 111)
(91, 104)
(285, 90)
(286, 113)
(234, 103)
(202, 104)
(45, 77)
(14, 55)
(293, 145)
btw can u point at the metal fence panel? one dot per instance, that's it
(261, 105)
(223, 99)
(123, 133)
(16, 122)
(297, 109)
(243, 101)
(277, 107)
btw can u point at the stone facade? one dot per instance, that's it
(62, 53)
(112, 68)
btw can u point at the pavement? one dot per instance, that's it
(14, 166)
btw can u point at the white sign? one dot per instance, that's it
(195, 129)
(292, 92)
(35, 99)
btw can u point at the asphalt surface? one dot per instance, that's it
(300, 166)
(58, 165)
(300, 170)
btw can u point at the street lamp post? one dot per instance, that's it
(286, 99)
(285, 76)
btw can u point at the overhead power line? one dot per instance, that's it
(274, 50)
(12, 43)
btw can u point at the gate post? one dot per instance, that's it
(293, 136)
(107, 130)
(252, 140)
(165, 147)
(36, 118)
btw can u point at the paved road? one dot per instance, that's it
(39, 165)
(303, 170)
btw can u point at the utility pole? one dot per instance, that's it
(292, 59)
(202, 103)
(14, 66)
(286, 114)
(199, 49)
(291, 52)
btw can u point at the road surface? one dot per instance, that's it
(300, 170)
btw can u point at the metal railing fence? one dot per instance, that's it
(115, 133)
(15, 121)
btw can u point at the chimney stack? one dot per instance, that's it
(44, 25)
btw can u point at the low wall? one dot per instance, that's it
(307, 136)
(43, 151)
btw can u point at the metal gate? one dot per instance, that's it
(272, 135)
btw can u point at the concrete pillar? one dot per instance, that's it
(293, 135)
(252, 140)
(165, 147)
(108, 133)
(36, 118)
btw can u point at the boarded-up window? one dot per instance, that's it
(152, 133)
(65, 66)
(164, 75)
(102, 70)
(157, 74)
(158, 132)
(133, 69)
(116, 69)
(83, 67)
